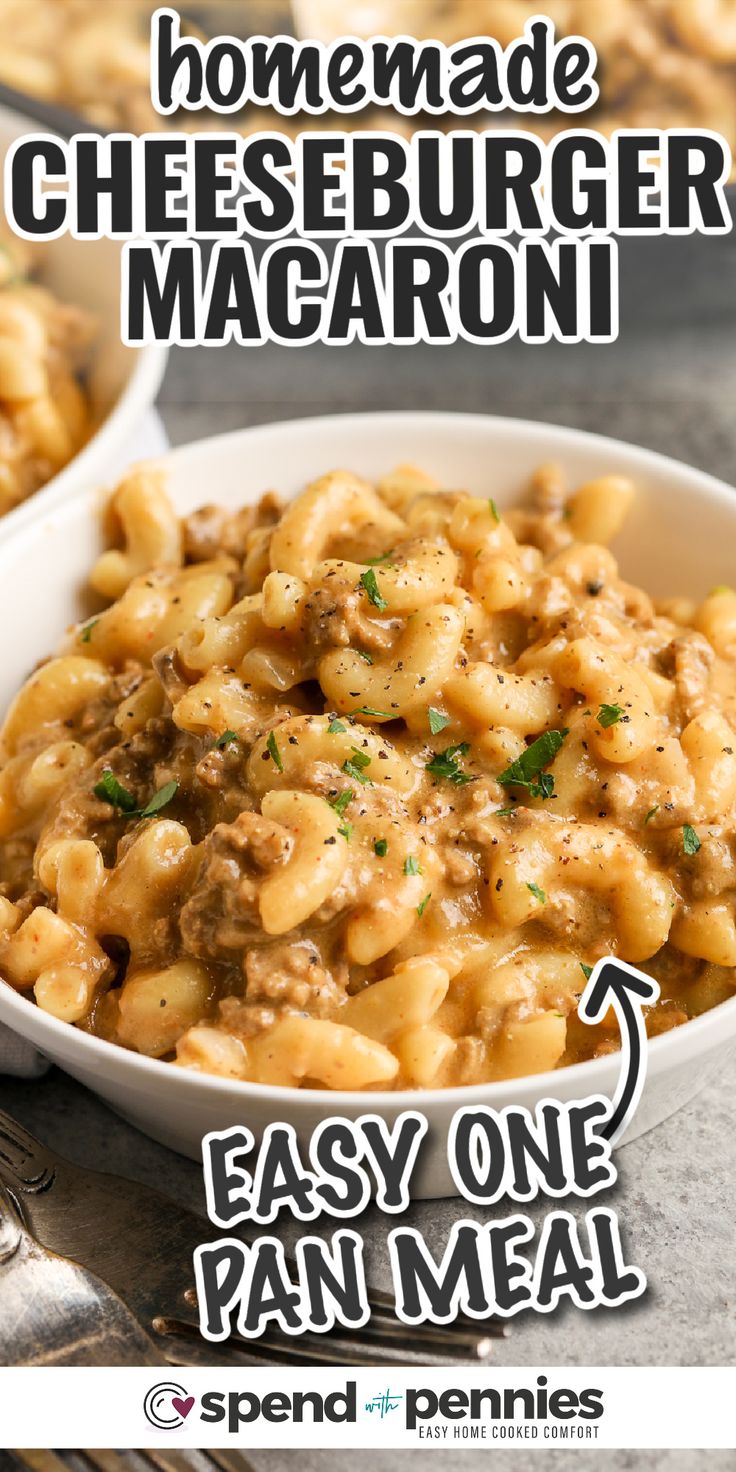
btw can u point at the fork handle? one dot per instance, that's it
(11, 1227)
(24, 1161)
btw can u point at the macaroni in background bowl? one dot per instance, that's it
(458, 448)
(71, 395)
(45, 345)
(663, 63)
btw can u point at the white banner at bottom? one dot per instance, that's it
(438, 1408)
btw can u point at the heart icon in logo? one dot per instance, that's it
(182, 1406)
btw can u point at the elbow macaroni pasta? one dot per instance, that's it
(353, 797)
(45, 411)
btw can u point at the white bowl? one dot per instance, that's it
(123, 382)
(678, 539)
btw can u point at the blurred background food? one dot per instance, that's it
(91, 55)
(662, 63)
(45, 411)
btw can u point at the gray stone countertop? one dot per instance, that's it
(669, 385)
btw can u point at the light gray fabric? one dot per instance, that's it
(20, 1057)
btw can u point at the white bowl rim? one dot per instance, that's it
(665, 1051)
(469, 421)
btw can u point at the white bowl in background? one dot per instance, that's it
(122, 382)
(678, 539)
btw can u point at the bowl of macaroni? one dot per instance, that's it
(70, 393)
(327, 795)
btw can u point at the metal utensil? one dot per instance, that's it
(55, 1312)
(157, 1460)
(57, 117)
(53, 117)
(141, 1242)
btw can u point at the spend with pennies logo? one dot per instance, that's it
(167, 1406)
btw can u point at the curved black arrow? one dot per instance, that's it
(615, 983)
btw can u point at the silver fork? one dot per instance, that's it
(138, 1461)
(141, 1243)
(55, 1312)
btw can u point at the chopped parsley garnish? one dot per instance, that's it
(370, 583)
(608, 715)
(370, 710)
(421, 907)
(445, 764)
(336, 727)
(159, 799)
(527, 768)
(345, 830)
(380, 848)
(651, 814)
(273, 750)
(493, 509)
(437, 720)
(504, 812)
(340, 803)
(538, 893)
(108, 789)
(586, 970)
(690, 840)
(411, 866)
(225, 739)
(363, 654)
(375, 561)
(355, 766)
(85, 634)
